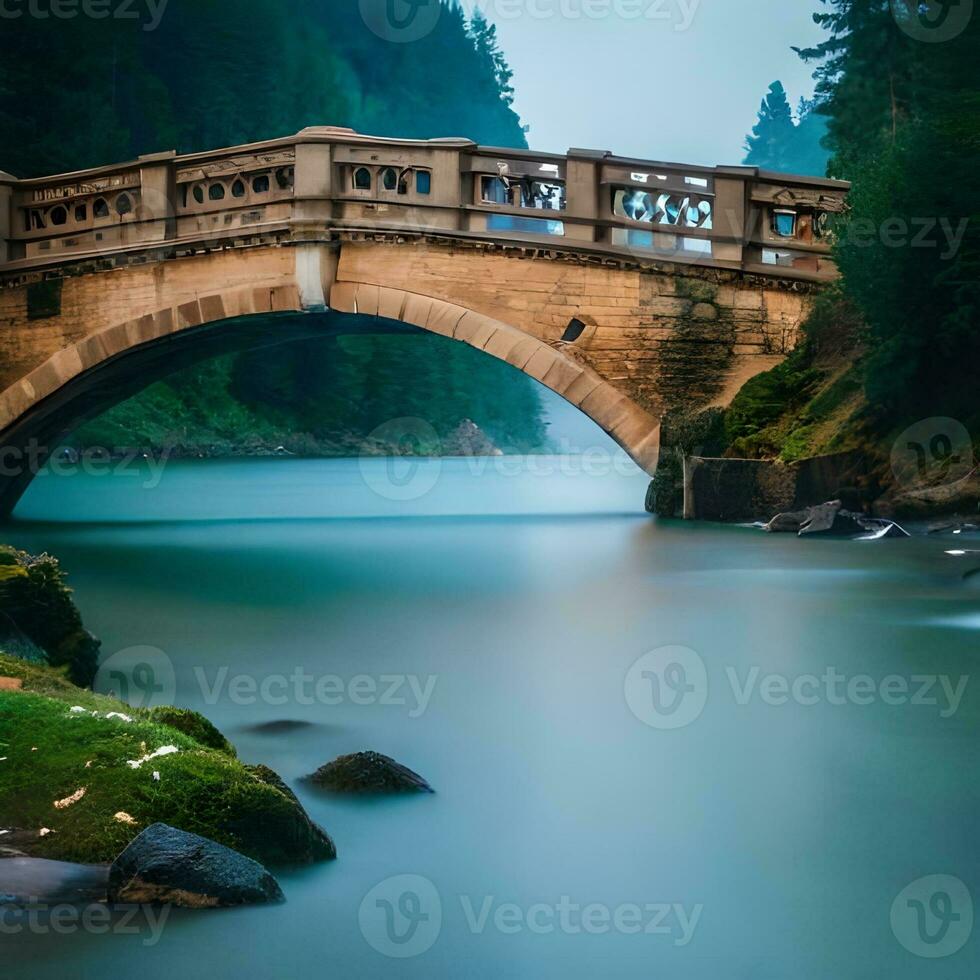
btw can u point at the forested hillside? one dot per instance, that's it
(216, 73)
(83, 92)
(898, 341)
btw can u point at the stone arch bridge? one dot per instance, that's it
(627, 286)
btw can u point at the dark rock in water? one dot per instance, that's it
(369, 772)
(831, 520)
(164, 865)
(290, 827)
(789, 522)
(879, 528)
(952, 527)
(282, 727)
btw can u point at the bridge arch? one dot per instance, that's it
(85, 378)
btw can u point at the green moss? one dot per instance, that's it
(36, 604)
(52, 753)
(765, 398)
(798, 444)
(194, 725)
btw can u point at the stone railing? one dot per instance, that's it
(326, 182)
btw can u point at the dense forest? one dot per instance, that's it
(217, 73)
(895, 343)
(898, 341)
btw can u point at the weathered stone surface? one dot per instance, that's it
(164, 865)
(791, 521)
(831, 520)
(654, 337)
(369, 772)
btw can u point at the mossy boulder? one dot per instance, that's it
(94, 773)
(37, 611)
(192, 724)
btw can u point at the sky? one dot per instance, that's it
(681, 82)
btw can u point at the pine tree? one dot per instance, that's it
(773, 132)
(490, 58)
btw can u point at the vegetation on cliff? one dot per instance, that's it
(39, 620)
(899, 340)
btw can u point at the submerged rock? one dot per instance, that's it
(832, 520)
(284, 726)
(790, 522)
(878, 528)
(164, 865)
(369, 772)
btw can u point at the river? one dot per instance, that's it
(743, 803)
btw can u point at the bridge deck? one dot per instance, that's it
(328, 182)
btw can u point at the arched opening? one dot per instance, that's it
(115, 375)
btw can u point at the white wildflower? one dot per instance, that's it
(165, 750)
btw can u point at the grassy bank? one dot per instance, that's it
(72, 765)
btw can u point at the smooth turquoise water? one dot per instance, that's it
(780, 833)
